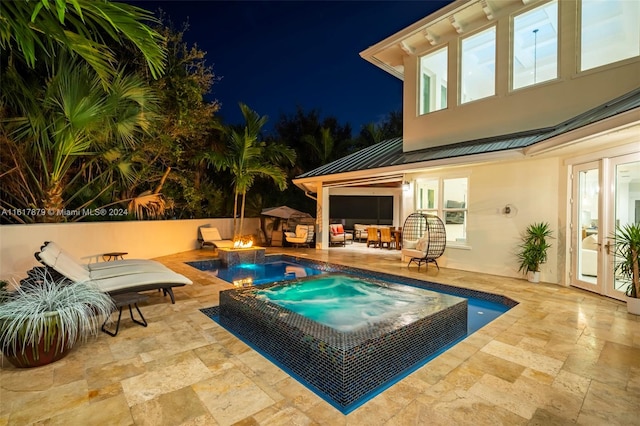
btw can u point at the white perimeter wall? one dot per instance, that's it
(535, 188)
(87, 241)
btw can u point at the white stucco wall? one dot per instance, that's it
(492, 237)
(87, 241)
(509, 111)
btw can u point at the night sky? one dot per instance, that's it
(274, 56)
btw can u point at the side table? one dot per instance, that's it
(122, 300)
(114, 255)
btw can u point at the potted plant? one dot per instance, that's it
(533, 250)
(43, 318)
(627, 244)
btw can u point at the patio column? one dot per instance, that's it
(322, 218)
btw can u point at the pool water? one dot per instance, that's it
(281, 268)
(257, 273)
(347, 303)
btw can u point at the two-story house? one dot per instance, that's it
(515, 112)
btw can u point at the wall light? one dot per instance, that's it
(405, 186)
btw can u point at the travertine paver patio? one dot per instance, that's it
(562, 356)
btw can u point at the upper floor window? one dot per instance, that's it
(535, 45)
(478, 79)
(446, 198)
(609, 32)
(433, 81)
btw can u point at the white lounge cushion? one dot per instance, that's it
(70, 269)
(51, 252)
(120, 276)
(409, 244)
(422, 244)
(413, 253)
(123, 262)
(127, 270)
(210, 234)
(301, 231)
(135, 280)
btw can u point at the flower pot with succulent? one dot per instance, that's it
(43, 318)
(532, 251)
(627, 263)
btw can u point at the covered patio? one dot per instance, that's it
(563, 355)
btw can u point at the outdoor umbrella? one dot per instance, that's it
(283, 212)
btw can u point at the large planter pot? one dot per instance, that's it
(533, 277)
(633, 305)
(48, 349)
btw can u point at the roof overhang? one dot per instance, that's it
(447, 23)
(619, 129)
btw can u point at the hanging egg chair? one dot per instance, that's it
(424, 239)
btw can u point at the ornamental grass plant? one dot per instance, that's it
(44, 317)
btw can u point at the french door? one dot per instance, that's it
(605, 194)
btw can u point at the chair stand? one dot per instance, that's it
(122, 300)
(420, 261)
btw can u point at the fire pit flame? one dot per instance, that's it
(243, 242)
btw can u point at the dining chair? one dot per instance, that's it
(385, 237)
(372, 237)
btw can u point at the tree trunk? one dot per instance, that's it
(235, 215)
(244, 197)
(53, 203)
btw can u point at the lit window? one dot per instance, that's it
(535, 46)
(447, 199)
(609, 32)
(478, 77)
(433, 81)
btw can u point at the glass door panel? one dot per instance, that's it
(625, 201)
(585, 236)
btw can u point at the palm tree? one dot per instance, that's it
(247, 158)
(40, 29)
(322, 146)
(64, 132)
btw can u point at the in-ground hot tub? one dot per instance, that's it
(399, 326)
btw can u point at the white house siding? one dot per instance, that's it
(535, 188)
(543, 105)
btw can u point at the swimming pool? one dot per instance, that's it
(274, 269)
(309, 350)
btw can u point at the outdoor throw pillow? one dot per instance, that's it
(423, 243)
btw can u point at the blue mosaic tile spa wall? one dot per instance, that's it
(344, 366)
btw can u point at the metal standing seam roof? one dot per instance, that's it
(389, 152)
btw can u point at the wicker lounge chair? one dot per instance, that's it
(303, 236)
(424, 239)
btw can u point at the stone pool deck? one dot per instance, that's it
(562, 356)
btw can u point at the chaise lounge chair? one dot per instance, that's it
(126, 277)
(210, 236)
